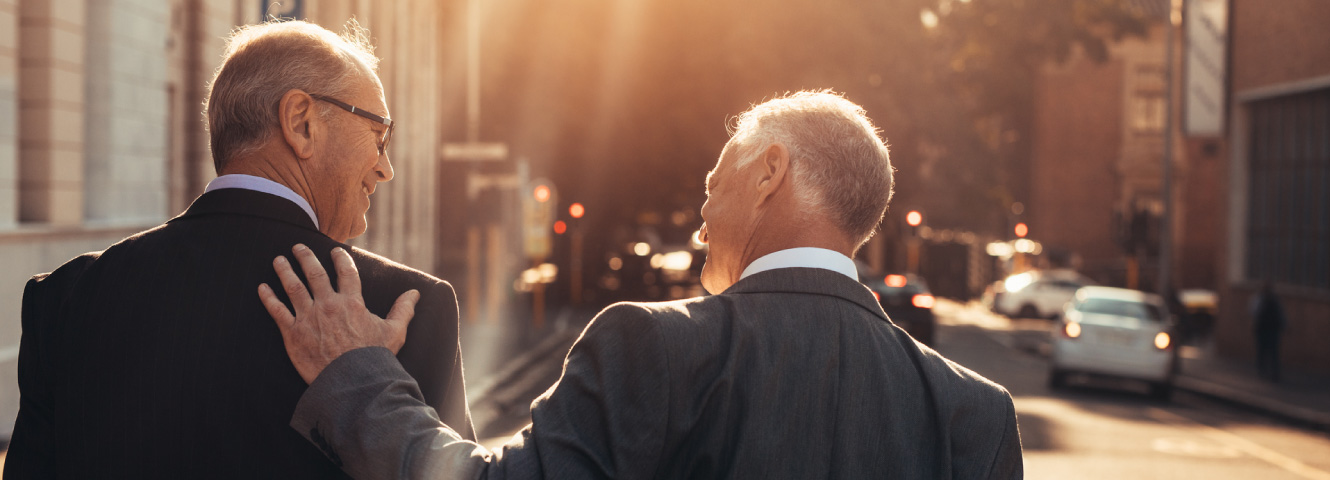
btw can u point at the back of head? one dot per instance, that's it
(840, 167)
(263, 62)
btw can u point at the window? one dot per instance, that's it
(1147, 100)
(1288, 224)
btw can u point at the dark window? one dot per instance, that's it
(1288, 224)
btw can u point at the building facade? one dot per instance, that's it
(102, 136)
(1277, 219)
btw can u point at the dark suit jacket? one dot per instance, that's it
(791, 373)
(155, 358)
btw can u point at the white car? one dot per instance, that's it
(1037, 294)
(1114, 332)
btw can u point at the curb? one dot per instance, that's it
(1232, 396)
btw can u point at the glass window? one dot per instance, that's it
(1121, 308)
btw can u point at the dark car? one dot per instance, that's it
(906, 299)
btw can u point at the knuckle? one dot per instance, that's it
(294, 288)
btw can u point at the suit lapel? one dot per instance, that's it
(815, 281)
(239, 201)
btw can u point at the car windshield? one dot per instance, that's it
(1121, 308)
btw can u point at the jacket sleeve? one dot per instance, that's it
(34, 447)
(604, 418)
(1008, 463)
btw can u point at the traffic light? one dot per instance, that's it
(1022, 230)
(914, 218)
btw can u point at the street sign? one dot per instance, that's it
(475, 151)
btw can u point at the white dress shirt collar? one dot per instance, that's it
(807, 257)
(260, 184)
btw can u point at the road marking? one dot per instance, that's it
(1272, 457)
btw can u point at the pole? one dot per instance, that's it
(1166, 227)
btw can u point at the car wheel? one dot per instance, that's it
(1057, 379)
(1162, 391)
(1028, 311)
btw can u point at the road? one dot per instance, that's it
(1113, 430)
(1105, 429)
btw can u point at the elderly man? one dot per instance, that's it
(791, 370)
(155, 358)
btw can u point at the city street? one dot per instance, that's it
(1093, 429)
(1114, 430)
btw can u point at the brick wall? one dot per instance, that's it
(1077, 141)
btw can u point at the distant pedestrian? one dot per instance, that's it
(1268, 324)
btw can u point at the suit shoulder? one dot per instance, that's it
(69, 272)
(372, 264)
(968, 386)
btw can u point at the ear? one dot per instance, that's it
(297, 119)
(773, 173)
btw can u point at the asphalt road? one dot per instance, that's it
(1093, 429)
(1113, 429)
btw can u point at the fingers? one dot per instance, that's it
(319, 283)
(399, 317)
(295, 289)
(275, 307)
(348, 277)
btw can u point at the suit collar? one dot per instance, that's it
(239, 201)
(808, 280)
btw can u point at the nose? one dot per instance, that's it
(384, 168)
(702, 233)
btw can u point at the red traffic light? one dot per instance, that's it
(1022, 230)
(576, 210)
(914, 218)
(542, 193)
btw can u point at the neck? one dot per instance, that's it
(277, 170)
(815, 233)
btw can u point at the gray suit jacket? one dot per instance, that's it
(791, 373)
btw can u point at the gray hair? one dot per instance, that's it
(839, 165)
(263, 62)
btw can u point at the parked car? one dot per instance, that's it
(1114, 332)
(906, 299)
(1037, 294)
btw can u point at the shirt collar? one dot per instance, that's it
(260, 184)
(808, 257)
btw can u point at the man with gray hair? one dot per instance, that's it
(790, 370)
(155, 358)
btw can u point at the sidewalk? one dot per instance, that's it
(1299, 396)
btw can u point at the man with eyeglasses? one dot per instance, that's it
(155, 358)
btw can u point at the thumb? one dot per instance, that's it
(404, 309)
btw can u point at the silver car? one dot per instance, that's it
(1114, 332)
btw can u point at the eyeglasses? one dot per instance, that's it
(387, 134)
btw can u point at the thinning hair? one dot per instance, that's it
(839, 164)
(262, 62)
